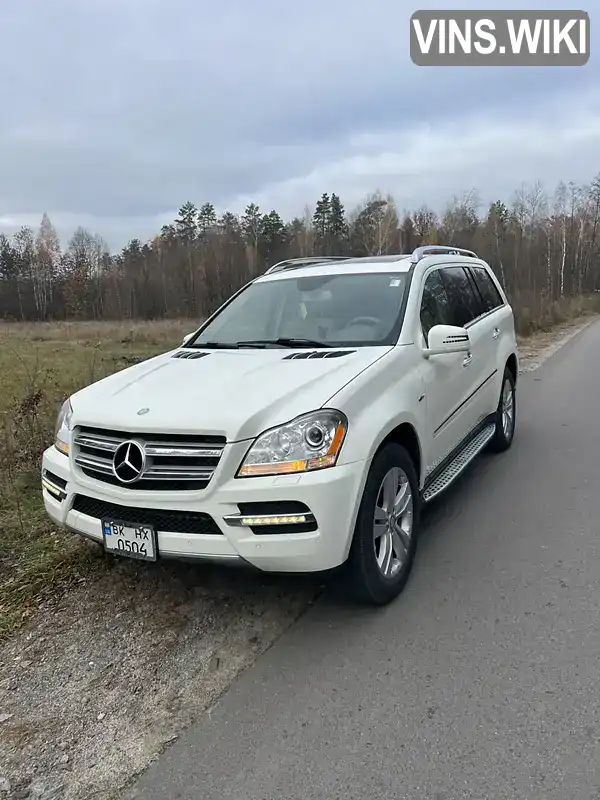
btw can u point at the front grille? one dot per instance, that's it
(173, 462)
(192, 522)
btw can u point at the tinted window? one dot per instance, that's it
(465, 304)
(434, 304)
(487, 288)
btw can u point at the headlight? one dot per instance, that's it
(63, 426)
(312, 441)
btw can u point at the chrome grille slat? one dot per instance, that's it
(179, 474)
(97, 443)
(173, 463)
(98, 464)
(153, 449)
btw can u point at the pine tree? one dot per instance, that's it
(251, 228)
(408, 234)
(320, 222)
(273, 237)
(11, 298)
(207, 219)
(186, 223)
(337, 227)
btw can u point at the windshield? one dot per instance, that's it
(358, 310)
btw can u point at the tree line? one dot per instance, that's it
(543, 247)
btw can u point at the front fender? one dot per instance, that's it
(376, 403)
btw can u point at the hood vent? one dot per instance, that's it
(320, 354)
(189, 354)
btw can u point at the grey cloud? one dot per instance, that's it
(127, 108)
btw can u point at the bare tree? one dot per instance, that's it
(544, 250)
(47, 262)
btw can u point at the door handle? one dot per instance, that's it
(467, 360)
(496, 333)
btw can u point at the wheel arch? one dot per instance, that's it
(405, 434)
(512, 366)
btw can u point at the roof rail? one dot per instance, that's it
(440, 249)
(307, 261)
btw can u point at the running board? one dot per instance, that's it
(459, 463)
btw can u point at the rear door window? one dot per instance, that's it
(487, 288)
(464, 301)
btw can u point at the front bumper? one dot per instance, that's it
(331, 495)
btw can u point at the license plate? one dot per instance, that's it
(127, 539)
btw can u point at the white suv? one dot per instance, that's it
(303, 426)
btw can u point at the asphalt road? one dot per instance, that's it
(481, 681)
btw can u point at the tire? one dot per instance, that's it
(505, 429)
(375, 574)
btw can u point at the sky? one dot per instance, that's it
(116, 112)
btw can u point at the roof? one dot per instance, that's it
(400, 262)
(350, 266)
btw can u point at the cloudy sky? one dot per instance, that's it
(115, 112)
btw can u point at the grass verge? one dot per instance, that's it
(42, 364)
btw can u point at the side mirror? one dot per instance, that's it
(186, 338)
(445, 339)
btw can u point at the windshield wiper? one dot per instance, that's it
(213, 346)
(262, 343)
(283, 342)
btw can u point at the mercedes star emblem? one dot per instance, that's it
(129, 462)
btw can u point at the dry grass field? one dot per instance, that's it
(40, 365)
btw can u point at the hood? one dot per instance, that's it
(235, 393)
